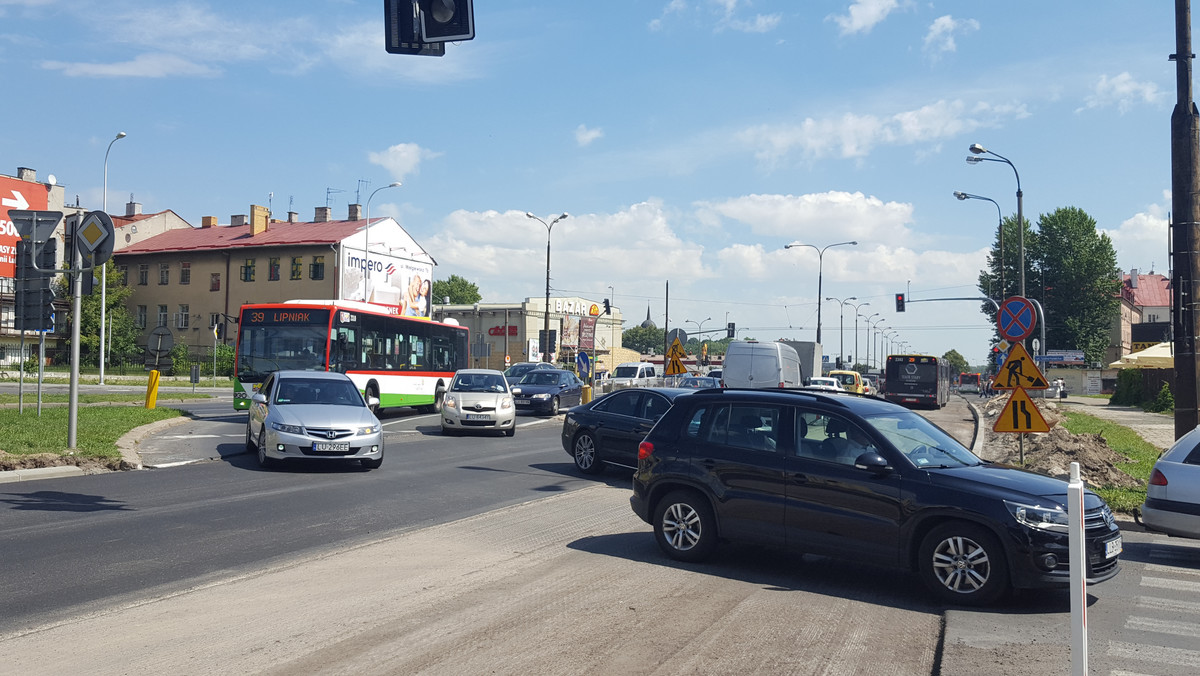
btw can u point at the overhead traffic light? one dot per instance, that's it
(446, 20)
(34, 297)
(607, 307)
(730, 330)
(899, 302)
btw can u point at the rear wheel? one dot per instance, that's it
(963, 563)
(684, 526)
(584, 452)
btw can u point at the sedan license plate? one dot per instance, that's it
(1112, 548)
(521, 401)
(478, 416)
(331, 446)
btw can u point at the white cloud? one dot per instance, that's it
(942, 32)
(1141, 240)
(402, 159)
(673, 7)
(143, 65)
(585, 136)
(811, 217)
(728, 17)
(1122, 91)
(863, 15)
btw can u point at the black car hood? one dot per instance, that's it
(527, 389)
(1008, 483)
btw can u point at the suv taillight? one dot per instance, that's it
(645, 449)
(1157, 478)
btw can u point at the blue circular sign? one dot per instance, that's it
(1016, 318)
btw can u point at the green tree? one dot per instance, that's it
(958, 363)
(121, 326)
(1001, 279)
(644, 340)
(458, 290)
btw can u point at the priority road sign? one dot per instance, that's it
(1020, 415)
(1019, 371)
(1016, 318)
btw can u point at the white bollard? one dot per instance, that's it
(1078, 563)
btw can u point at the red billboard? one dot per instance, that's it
(16, 195)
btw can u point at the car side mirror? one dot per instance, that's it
(872, 462)
(372, 402)
(258, 398)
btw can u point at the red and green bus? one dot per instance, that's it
(403, 361)
(917, 381)
(970, 382)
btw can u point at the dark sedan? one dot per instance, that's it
(609, 429)
(547, 390)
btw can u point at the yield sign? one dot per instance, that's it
(1020, 415)
(1019, 371)
(1016, 318)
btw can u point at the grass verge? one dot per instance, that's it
(1126, 442)
(97, 429)
(92, 399)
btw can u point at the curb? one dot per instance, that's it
(17, 475)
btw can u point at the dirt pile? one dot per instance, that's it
(10, 461)
(1053, 452)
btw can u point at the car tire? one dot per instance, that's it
(369, 463)
(685, 527)
(511, 431)
(963, 564)
(449, 432)
(554, 406)
(261, 445)
(583, 450)
(250, 446)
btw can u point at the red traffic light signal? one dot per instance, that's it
(899, 302)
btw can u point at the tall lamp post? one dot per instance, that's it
(856, 307)
(868, 341)
(1000, 216)
(976, 159)
(367, 238)
(877, 330)
(104, 268)
(546, 319)
(842, 326)
(820, 272)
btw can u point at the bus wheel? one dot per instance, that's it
(373, 391)
(439, 395)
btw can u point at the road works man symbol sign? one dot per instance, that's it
(1019, 370)
(675, 357)
(1020, 415)
(18, 195)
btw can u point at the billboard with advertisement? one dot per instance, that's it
(387, 280)
(18, 195)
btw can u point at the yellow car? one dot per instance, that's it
(851, 380)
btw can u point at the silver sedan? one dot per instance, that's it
(312, 414)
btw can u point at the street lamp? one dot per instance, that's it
(367, 238)
(820, 265)
(975, 159)
(876, 328)
(842, 326)
(856, 316)
(104, 268)
(868, 341)
(1000, 216)
(546, 320)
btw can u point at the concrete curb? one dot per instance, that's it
(17, 475)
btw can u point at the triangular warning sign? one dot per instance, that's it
(1019, 370)
(1020, 415)
(675, 356)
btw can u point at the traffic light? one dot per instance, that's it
(547, 340)
(34, 298)
(607, 307)
(899, 302)
(730, 330)
(446, 20)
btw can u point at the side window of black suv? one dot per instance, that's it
(755, 427)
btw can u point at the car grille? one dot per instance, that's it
(329, 433)
(477, 423)
(1098, 518)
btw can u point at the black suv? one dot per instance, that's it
(860, 478)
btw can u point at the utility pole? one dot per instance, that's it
(1185, 228)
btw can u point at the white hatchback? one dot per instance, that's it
(1173, 495)
(479, 400)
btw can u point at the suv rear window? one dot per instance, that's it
(750, 426)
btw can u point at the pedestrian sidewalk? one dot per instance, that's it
(1156, 428)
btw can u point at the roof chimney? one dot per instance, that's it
(26, 174)
(239, 219)
(1133, 278)
(258, 219)
(355, 212)
(208, 222)
(292, 217)
(133, 208)
(323, 215)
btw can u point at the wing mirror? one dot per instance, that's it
(872, 462)
(258, 398)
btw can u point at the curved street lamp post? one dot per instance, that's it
(104, 268)
(367, 238)
(1000, 219)
(842, 326)
(976, 159)
(546, 319)
(820, 272)
(856, 307)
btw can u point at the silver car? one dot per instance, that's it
(479, 400)
(1173, 495)
(313, 414)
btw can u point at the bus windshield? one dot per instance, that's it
(274, 341)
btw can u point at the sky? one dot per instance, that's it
(689, 141)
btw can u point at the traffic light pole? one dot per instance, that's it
(76, 276)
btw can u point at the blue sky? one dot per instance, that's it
(689, 140)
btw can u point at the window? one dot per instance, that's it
(214, 282)
(183, 317)
(750, 426)
(162, 315)
(164, 273)
(297, 267)
(248, 270)
(124, 274)
(317, 269)
(185, 273)
(273, 269)
(143, 274)
(141, 317)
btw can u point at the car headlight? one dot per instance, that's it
(289, 429)
(541, 396)
(449, 401)
(1039, 518)
(506, 402)
(369, 429)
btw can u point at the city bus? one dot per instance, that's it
(970, 382)
(917, 381)
(402, 361)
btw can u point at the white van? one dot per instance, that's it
(634, 374)
(749, 363)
